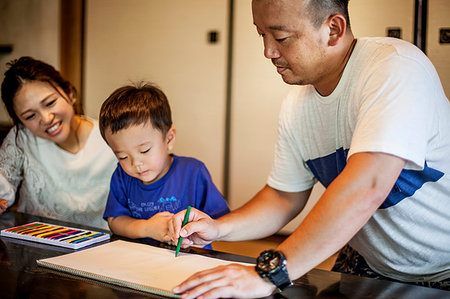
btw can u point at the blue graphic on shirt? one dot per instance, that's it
(167, 199)
(143, 209)
(327, 168)
(409, 182)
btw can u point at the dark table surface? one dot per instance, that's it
(20, 277)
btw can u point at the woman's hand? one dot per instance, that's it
(3, 205)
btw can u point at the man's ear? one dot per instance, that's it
(171, 137)
(338, 27)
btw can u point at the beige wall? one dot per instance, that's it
(164, 42)
(257, 95)
(31, 27)
(372, 18)
(439, 12)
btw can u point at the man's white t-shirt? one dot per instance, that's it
(388, 100)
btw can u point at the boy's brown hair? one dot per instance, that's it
(135, 105)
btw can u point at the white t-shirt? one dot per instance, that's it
(56, 183)
(388, 100)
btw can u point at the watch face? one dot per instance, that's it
(269, 261)
(271, 264)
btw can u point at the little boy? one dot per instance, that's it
(149, 184)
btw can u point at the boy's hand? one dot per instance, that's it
(159, 224)
(200, 229)
(3, 205)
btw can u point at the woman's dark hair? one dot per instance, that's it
(26, 69)
(135, 105)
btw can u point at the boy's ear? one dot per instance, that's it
(170, 137)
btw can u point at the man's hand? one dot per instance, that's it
(231, 281)
(3, 205)
(200, 229)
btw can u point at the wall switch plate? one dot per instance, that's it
(394, 32)
(213, 37)
(444, 36)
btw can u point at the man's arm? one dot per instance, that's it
(347, 204)
(342, 210)
(265, 214)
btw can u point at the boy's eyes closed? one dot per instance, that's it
(146, 151)
(50, 103)
(125, 157)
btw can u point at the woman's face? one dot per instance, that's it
(46, 111)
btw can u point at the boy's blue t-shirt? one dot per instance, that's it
(187, 182)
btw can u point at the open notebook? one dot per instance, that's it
(133, 265)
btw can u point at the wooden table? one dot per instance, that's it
(20, 277)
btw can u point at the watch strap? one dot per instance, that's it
(279, 277)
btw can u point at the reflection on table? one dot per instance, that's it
(20, 277)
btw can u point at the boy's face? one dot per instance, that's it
(142, 150)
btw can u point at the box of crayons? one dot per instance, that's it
(55, 234)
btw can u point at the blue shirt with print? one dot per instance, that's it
(187, 182)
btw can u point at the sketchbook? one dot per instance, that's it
(133, 265)
(58, 235)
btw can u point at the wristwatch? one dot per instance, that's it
(271, 264)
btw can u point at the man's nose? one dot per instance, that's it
(270, 49)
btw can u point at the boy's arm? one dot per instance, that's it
(155, 227)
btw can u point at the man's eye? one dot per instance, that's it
(122, 158)
(280, 40)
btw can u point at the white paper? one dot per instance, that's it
(136, 263)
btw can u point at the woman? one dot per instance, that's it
(53, 155)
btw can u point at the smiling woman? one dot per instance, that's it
(55, 156)
(47, 112)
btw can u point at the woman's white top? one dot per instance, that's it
(53, 182)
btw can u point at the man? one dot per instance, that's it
(371, 122)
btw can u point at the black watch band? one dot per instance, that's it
(271, 264)
(281, 280)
